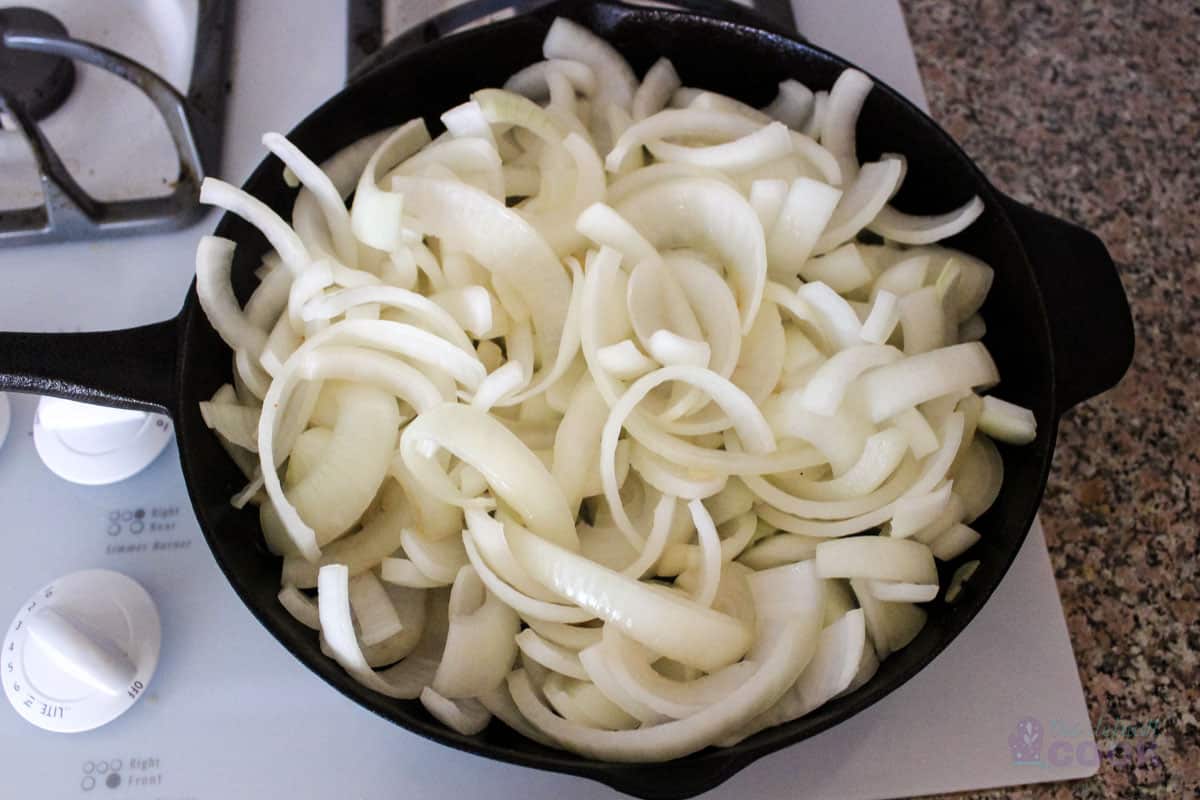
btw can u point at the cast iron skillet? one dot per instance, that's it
(1058, 326)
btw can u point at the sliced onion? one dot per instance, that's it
(1007, 422)
(375, 214)
(214, 261)
(829, 383)
(480, 644)
(793, 104)
(877, 557)
(678, 123)
(806, 211)
(764, 145)
(890, 389)
(282, 238)
(712, 217)
(865, 196)
(684, 630)
(840, 117)
(656, 89)
(909, 229)
(501, 241)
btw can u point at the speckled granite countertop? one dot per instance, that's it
(1091, 111)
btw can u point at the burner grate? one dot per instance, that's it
(195, 123)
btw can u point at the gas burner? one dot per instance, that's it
(36, 77)
(38, 82)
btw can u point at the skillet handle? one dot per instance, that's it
(132, 368)
(1090, 324)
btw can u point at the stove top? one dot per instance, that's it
(230, 714)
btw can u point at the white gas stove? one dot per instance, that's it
(228, 713)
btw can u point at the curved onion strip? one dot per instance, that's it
(789, 647)
(922, 321)
(780, 549)
(467, 717)
(714, 217)
(830, 673)
(914, 512)
(402, 572)
(615, 81)
(515, 474)
(656, 302)
(670, 698)
(656, 89)
(624, 361)
(872, 499)
(877, 557)
(438, 559)
(337, 629)
(890, 389)
(864, 198)
(754, 149)
(978, 478)
(840, 117)
(302, 607)
(553, 657)
(572, 637)
(337, 491)
(682, 630)
(710, 554)
(687, 484)
(639, 179)
(664, 513)
(502, 242)
(711, 101)
(715, 309)
(882, 319)
(826, 388)
(604, 226)
(343, 169)
(402, 339)
(358, 552)
(673, 123)
(532, 81)
(766, 198)
(471, 160)
(793, 104)
(488, 535)
(480, 644)
(528, 607)
(214, 262)
(1007, 422)
(909, 229)
(358, 364)
(283, 239)
(568, 347)
(843, 270)
(599, 672)
(373, 610)
(953, 542)
(328, 198)
(748, 420)
(375, 213)
(806, 212)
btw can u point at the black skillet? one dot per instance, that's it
(1058, 326)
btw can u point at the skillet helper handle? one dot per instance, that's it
(132, 368)
(1091, 328)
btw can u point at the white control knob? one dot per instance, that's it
(81, 651)
(94, 445)
(5, 416)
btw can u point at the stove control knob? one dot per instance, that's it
(95, 445)
(81, 651)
